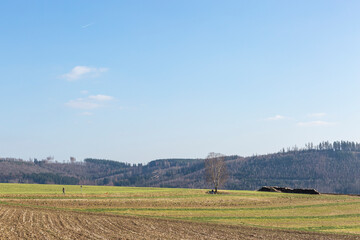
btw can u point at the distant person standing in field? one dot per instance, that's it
(64, 191)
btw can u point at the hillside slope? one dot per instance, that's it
(328, 170)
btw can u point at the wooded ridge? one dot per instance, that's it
(327, 167)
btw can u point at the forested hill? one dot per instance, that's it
(327, 167)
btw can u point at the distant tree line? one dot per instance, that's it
(327, 146)
(44, 178)
(109, 163)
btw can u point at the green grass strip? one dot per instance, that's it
(221, 209)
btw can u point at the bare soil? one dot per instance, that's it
(36, 223)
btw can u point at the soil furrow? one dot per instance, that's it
(34, 223)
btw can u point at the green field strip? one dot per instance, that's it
(118, 210)
(225, 209)
(194, 209)
(308, 229)
(93, 196)
(118, 194)
(331, 227)
(278, 217)
(212, 218)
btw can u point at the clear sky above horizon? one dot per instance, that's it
(135, 81)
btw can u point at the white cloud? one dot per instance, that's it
(90, 102)
(83, 71)
(275, 118)
(81, 103)
(317, 115)
(100, 97)
(87, 25)
(315, 124)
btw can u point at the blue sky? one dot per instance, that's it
(135, 81)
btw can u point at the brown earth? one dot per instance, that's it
(35, 223)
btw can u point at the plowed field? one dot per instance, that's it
(28, 223)
(43, 212)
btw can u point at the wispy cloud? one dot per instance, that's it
(275, 118)
(101, 97)
(79, 72)
(90, 102)
(315, 124)
(81, 103)
(87, 25)
(317, 115)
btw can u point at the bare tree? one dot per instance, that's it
(215, 170)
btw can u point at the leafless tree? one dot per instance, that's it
(215, 170)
